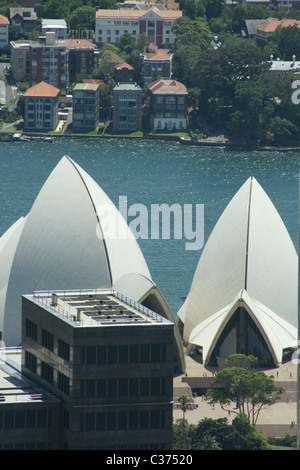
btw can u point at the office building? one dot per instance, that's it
(110, 362)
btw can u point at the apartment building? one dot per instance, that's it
(41, 107)
(169, 102)
(158, 64)
(123, 73)
(48, 61)
(85, 106)
(4, 32)
(156, 24)
(127, 107)
(110, 362)
(83, 58)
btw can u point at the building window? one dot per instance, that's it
(123, 420)
(47, 340)
(63, 350)
(47, 372)
(30, 362)
(123, 354)
(63, 383)
(31, 329)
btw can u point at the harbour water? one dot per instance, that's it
(149, 173)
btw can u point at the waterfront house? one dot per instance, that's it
(169, 104)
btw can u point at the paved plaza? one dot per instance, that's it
(276, 420)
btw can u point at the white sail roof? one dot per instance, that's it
(67, 241)
(249, 250)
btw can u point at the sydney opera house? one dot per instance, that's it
(69, 241)
(243, 297)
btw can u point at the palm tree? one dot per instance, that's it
(208, 442)
(185, 404)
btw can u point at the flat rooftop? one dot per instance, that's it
(101, 307)
(14, 387)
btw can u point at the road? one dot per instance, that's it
(9, 95)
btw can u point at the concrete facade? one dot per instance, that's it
(86, 106)
(112, 369)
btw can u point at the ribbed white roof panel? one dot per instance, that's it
(60, 247)
(220, 273)
(8, 244)
(272, 259)
(249, 250)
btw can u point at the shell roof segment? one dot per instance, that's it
(248, 250)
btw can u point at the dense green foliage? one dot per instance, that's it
(218, 434)
(248, 390)
(231, 89)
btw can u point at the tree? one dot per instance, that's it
(283, 131)
(54, 9)
(185, 404)
(208, 442)
(193, 37)
(214, 8)
(239, 435)
(192, 8)
(83, 18)
(240, 360)
(284, 43)
(182, 435)
(249, 390)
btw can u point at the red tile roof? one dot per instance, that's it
(80, 43)
(4, 20)
(123, 65)
(42, 89)
(136, 14)
(272, 25)
(158, 56)
(93, 80)
(167, 87)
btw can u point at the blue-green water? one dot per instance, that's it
(153, 173)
